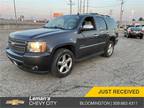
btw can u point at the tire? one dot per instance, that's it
(128, 36)
(141, 37)
(109, 49)
(63, 62)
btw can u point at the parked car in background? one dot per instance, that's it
(61, 42)
(134, 31)
(126, 29)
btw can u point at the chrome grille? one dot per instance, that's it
(17, 46)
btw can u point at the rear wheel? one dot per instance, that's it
(109, 49)
(128, 36)
(62, 63)
(141, 37)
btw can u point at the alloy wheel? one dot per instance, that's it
(64, 63)
(110, 49)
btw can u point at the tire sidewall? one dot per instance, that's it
(141, 37)
(56, 57)
(107, 47)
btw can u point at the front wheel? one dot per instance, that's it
(62, 63)
(109, 49)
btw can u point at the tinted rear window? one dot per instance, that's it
(100, 24)
(111, 23)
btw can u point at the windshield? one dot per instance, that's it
(64, 22)
(138, 26)
(134, 26)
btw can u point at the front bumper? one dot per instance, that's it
(136, 34)
(30, 61)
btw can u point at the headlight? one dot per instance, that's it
(37, 47)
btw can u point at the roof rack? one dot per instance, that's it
(98, 14)
(88, 14)
(92, 14)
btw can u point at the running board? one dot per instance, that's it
(88, 57)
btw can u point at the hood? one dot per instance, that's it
(34, 33)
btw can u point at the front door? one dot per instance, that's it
(86, 43)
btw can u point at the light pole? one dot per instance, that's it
(121, 12)
(83, 6)
(87, 6)
(15, 11)
(78, 6)
(132, 12)
(70, 7)
(110, 12)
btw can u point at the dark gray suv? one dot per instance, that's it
(56, 46)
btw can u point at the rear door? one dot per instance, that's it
(102, 33)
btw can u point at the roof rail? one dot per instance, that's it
(99, 14)
(105, 15)
(94, 13)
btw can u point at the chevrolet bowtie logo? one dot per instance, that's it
(14, 102)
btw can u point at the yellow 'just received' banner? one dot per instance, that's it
(116, 92)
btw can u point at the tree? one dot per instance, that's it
(141, 19)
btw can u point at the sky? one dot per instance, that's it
(43, 9)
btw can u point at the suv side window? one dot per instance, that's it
(100, 24)
(111, 23)
(89, 23)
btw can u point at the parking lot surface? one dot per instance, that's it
(124, 68)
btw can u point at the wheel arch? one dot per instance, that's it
(113, 39)
(69, 46)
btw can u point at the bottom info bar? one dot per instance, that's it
(71, 102)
